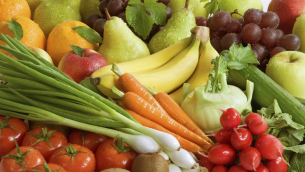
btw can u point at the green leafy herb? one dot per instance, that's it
(90, 34)
(17, 29)
(137, 17)
(77, 50)
(212, 6)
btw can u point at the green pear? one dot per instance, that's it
(195, 5)
(88, 7)
(53, 12)
(298, 29)
(241, 5)
(34, 4)
(177, 28)
(120, 44)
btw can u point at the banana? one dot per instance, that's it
(150, 62)
(200, 76)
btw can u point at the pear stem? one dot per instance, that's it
(107, 14)
(186, 3)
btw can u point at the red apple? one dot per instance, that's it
(288, 11)
(78, 68)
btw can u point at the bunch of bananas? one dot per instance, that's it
(165, 71)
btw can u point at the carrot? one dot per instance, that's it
(129, 83)
(185, 144)
(137, 104)
(177, 113)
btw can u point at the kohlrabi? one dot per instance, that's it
(203, 104)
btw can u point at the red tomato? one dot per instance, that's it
(107, 156)
(31, 159)
(37, 138)
(50, 166)
(83, 161)
(87, 139)
(8, 133)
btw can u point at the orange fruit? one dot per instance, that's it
(11, 8)
(32, 34)
(62, 36)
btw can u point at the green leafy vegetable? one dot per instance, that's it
(137, 17)
(297, 163)
(90, 34)
(77, 50)
(212, 6)
(17, 29)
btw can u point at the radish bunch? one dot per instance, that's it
(235, 144)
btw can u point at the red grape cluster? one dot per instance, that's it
(236, 150)
(256, 27)
(118, 8)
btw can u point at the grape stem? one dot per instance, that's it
(107, 14)
(236, 12)
(187, 4)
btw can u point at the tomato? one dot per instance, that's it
(38, 137)
(12, 162)
(48, 167)
(87, 139)
(107, 156)
(10, 129)
(83, 158)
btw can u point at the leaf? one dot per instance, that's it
(297, 163)
(16, 28)
(212, 6)
(89, 34)
(77, 50)
(297, 149)
(157, 11)
(86, 83)
(291, 137)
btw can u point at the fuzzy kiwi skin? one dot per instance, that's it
(150, 163)
(115, 170)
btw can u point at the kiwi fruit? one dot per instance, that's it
(150, 163)
(115, 170)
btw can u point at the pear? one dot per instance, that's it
(195, 5)
(88, 7)
(177, 28)
(120, 44)
(53, 12)
(33, 5)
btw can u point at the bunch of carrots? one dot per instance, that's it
(160, 112)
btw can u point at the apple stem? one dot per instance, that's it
(236, 12)
(107, 14)
(187, 4)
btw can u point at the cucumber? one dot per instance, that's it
(266, 90)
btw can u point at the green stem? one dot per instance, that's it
(150, 90)
(116, 69)
(9, 72)
(223, 82)
(117, 92)
(129, 131)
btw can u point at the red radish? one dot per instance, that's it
(258, 126)
(241, 138)
(250, 158)
(223, 136)
(215, 144)
(237, 168)
(204, 162)
(276, 165)
(230, 119)
(269, 146)
(220, 168)
(251, 116)
(261, 168)
(222, 154)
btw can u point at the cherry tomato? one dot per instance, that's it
(10, 129)
(74, 158)
(48, 167)
(107, 156)
(87, 139)
(42, 138)
(14, 162)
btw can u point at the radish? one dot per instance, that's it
(250, 158)
(223, 136)
(214, 145)
(258, 125)
(237, 168)
(204, 162)
(241, 138)
(251, 116)
(220, 168)
(222, 154)
(261, 168)
(276, 165)
(230, 119)
(269, 146)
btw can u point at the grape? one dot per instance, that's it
(241, 21)
(115, 7)
(155, 29)
(269, 38)
(229, 39)
(221, 20)
(253, 16)
(216, 43)
(270, 19)
(251, 33)
(201, 21)
(221, 33)
(92, 18)
(98, 26)
(276, 50)
(123, 16)
(290, 42)
(168, 12)
(279, 33)
(234, 27)
(260, 52)
(165, 2)
(103, 5)
(209, 24)
(126, 4)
